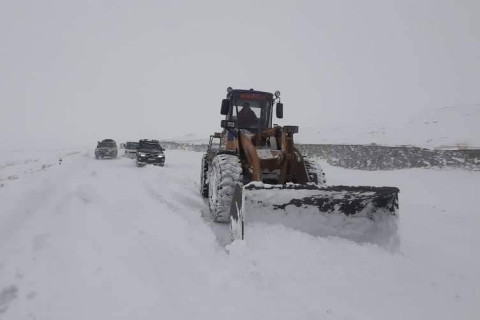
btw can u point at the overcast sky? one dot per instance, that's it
(73, 72)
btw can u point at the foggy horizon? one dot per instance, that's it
(74, 72)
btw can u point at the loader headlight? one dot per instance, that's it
(277, 93)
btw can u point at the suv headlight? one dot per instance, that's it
(141, 154)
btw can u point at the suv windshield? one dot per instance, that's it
(251, 110)
(150, 146)
(132, 145)
(106, 145)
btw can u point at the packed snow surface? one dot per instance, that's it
(92, 239)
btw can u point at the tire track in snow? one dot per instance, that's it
(89, 242)
(37, 198)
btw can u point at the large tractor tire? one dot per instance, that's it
(225, 173)
(315, 172)
(204, 177)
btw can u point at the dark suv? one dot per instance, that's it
(150, 152)
(106, 148)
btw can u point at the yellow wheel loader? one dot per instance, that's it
(252, 172)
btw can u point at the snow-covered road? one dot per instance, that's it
(92, 239)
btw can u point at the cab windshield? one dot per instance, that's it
(251, 110)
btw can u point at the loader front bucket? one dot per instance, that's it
(362, 214)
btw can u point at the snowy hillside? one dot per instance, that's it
(190, 138)
(447, 127)
(92, 239)
(454, 127)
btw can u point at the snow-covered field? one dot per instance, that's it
(90, 239)
(448, 127)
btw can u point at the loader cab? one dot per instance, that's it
(248, 109)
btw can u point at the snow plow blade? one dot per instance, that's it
(362, 214)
